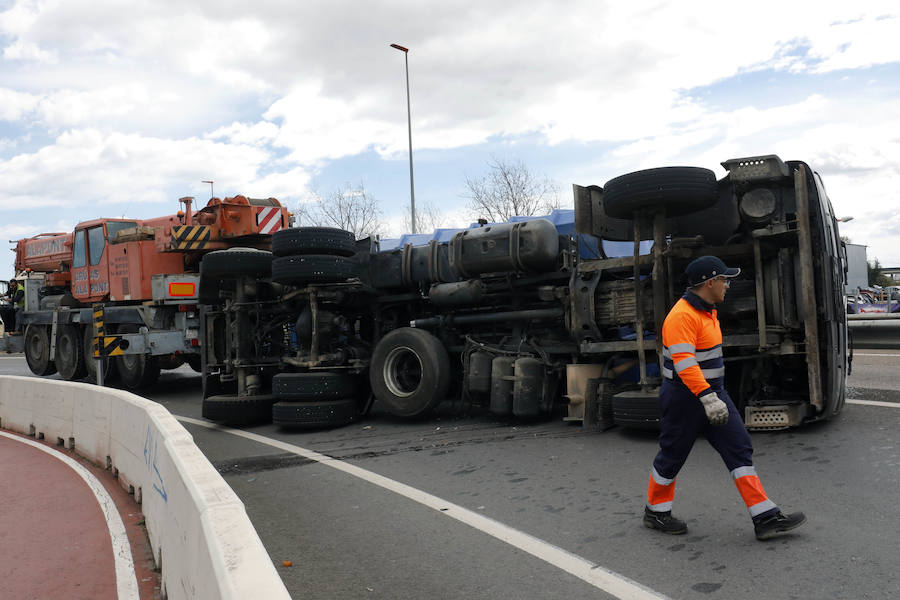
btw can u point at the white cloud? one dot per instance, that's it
(138, 102)
(87, 165)
(15, 105)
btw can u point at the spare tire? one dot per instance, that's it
(636, 411)
(239, 410)
(678, 190)
(312, 268)
(236, 262)
(330, 413)
(318, 385)
(313, 240)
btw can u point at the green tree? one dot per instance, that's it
(876, 276)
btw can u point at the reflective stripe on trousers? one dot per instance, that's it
(751, 490)
(660, 492)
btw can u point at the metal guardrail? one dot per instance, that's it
(880, 331)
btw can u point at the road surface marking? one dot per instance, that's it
(874, 403)
(874, 354)
(126, 580)
(600, 577)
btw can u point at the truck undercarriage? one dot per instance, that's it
(521, 317)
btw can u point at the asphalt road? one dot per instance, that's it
(568, 489)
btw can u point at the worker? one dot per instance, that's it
(693, 401)
(16, 298)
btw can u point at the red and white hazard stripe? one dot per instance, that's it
(268, 218)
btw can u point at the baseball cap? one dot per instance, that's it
(707, 267)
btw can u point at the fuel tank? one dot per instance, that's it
(526, 246)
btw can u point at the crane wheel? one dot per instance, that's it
(37, 350)
(90, 363)
(136, 371)
(70, 353)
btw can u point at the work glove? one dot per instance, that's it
(716, 410)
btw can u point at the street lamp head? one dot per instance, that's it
(399, 47)
(844, 219)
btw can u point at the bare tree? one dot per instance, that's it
(428, 218)
(349, 208)
(509, 188)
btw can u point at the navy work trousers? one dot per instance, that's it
(683, 420)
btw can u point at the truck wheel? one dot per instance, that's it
(636, 412)
(239, 410)
(409, 372)
(90, 363)
(236, 262)
(70, 353)
(309, 415)
(37, 350)
(313, 240)
(312, 268)
(680, 190)
(319, 386)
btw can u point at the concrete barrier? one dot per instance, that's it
(201, 536)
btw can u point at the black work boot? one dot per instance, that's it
(663, 521)
(777, 524)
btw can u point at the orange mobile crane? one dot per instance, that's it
(145, 276)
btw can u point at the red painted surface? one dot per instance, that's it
(54, 541)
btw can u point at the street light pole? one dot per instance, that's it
(412, 187)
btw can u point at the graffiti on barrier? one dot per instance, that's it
(151, 453)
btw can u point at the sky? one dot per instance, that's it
(117, 109)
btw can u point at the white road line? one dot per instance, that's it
(126, 580)
(874, 354)
(874, 403)
(600, 577)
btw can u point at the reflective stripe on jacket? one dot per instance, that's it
(692, 345)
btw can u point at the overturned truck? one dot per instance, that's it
(521, 319)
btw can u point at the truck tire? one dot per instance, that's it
(90, 363)
(236, 262)
(409, 372)
(637, 413)
(680, 190)
(319, 386)
(239, 410)
(312, 268)
(318, 414)
(313, 240)
(70, 353)
(37, 350)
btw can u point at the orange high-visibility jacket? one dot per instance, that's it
(692, 345)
